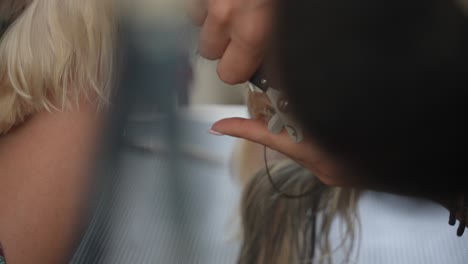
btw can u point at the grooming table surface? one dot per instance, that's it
(156, 217)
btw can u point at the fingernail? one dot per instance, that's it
(216, 133)
(2, 255)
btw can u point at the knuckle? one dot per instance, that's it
(251, 37)
(221, 12)
(252, 41)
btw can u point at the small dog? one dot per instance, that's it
(53, 54)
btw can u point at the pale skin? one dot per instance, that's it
(46, 166)
(235, 32)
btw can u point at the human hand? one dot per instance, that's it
(234, 31)
(306, 153)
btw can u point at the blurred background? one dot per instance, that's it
(208, 89)
(165, 192)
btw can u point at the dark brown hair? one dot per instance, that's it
(382, 85)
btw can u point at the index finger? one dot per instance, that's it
(305, 153)
(257, 131)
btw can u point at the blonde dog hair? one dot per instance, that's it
(277, 230)
(54, 53)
